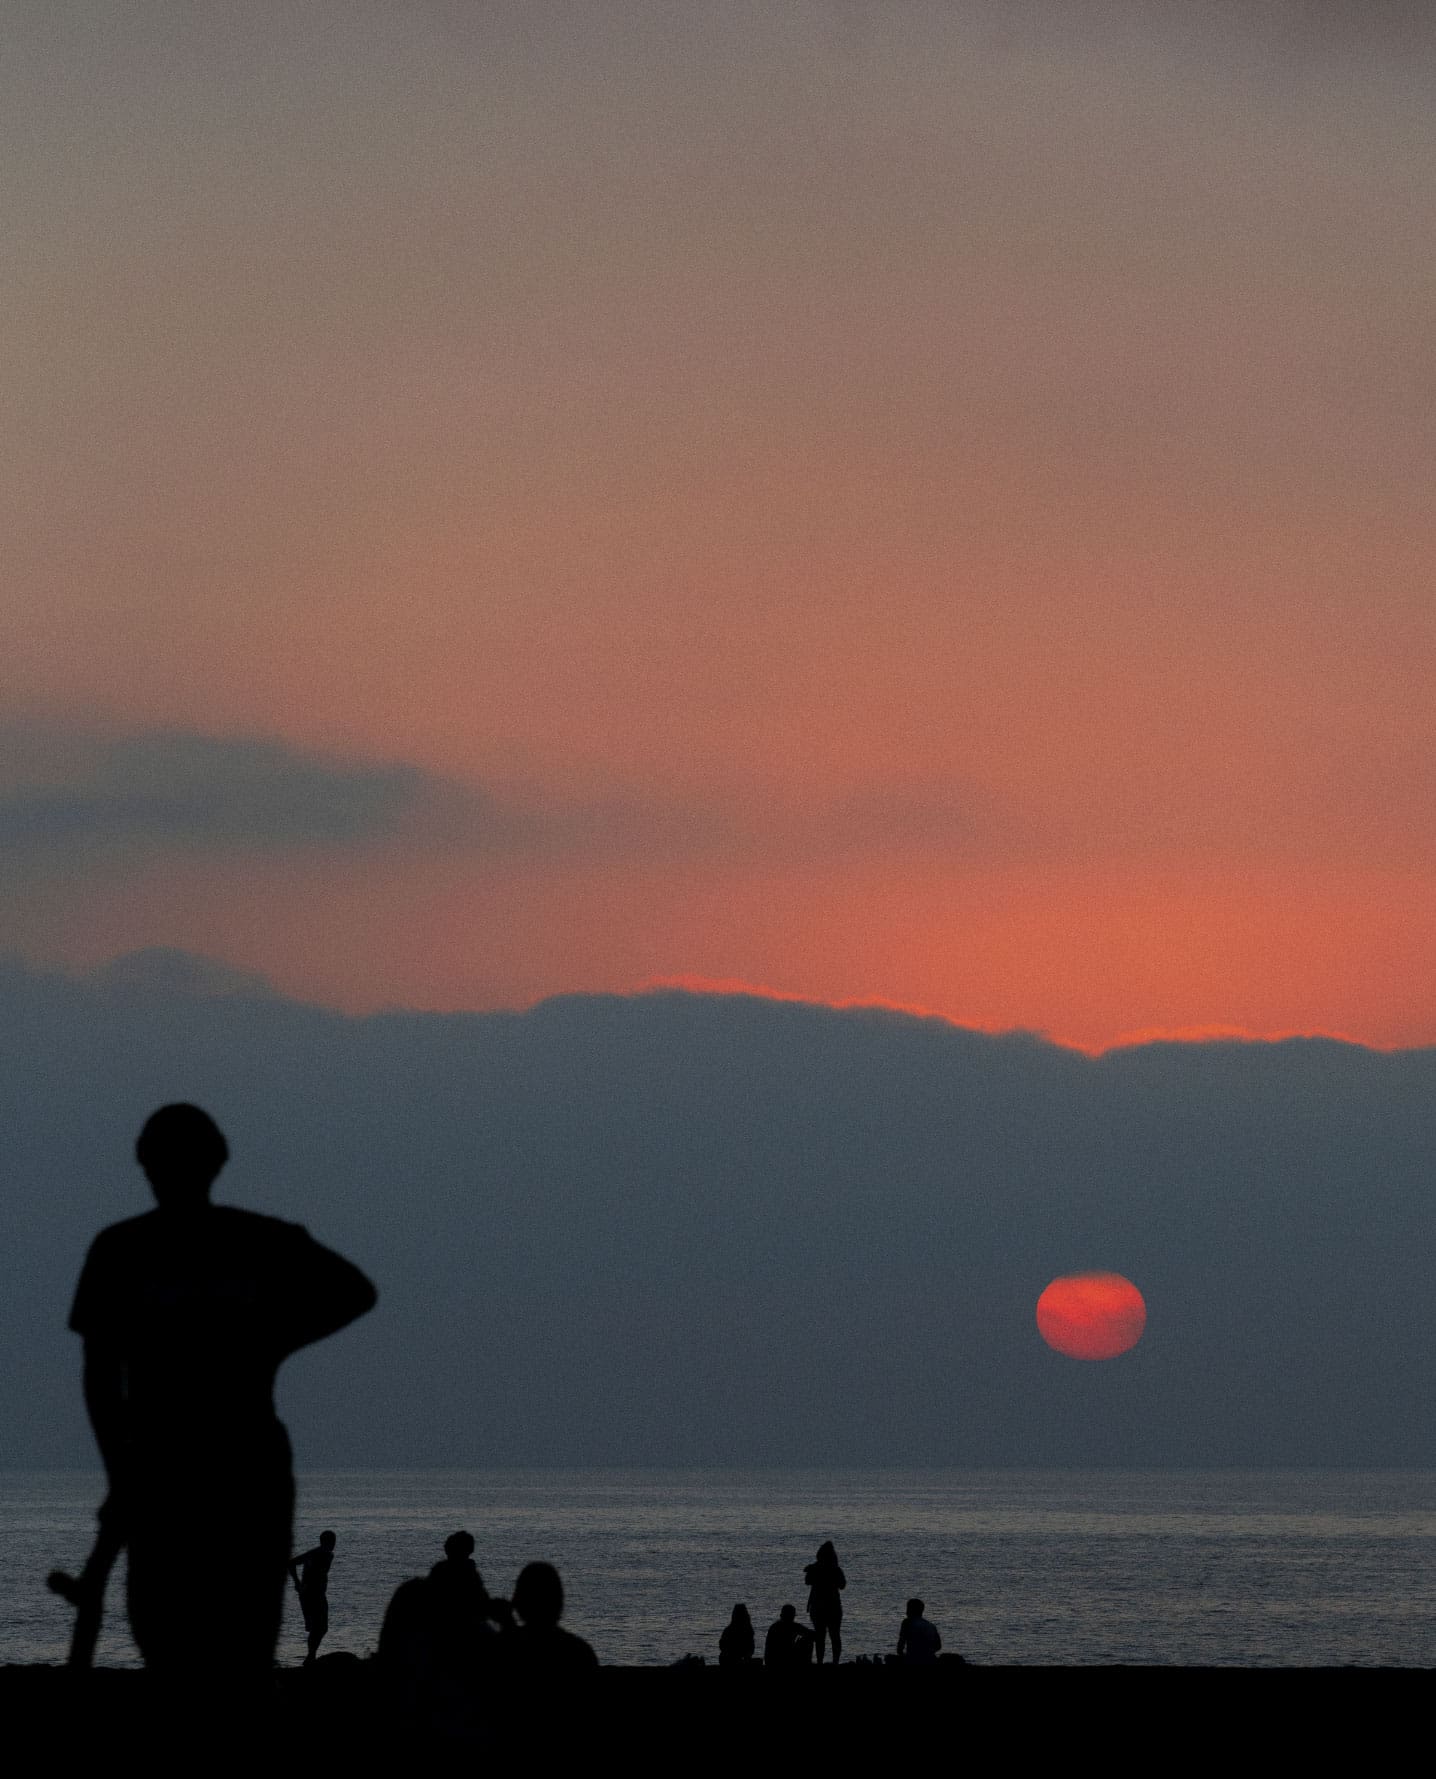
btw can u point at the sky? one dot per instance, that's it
(916, 503)
(692, 1229)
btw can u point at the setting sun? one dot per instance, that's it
(1091, 1315)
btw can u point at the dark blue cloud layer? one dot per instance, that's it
(680, 1229)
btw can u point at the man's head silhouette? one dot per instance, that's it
(538, 1595)
(328, 1540)
(181, 1150)
(915, 1608)
(459, 1545)
(788, 1614)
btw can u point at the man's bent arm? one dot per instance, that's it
(332, 1294)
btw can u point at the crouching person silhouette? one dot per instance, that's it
(186, 1314)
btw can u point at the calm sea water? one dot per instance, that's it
(1272, 1568)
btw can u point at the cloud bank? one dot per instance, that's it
(687, 1229)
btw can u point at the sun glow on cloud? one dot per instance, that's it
(1188, 1034)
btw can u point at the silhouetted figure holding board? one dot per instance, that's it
(788, 1644)
(826, 1582)
(311, 1582)
(918, 1641)
(187, 1313)
(735, 1644)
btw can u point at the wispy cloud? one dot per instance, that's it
(64, 792)
(68, 797)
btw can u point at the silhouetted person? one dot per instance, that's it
(826, 1582)
(540, 1643)
(440, 1630)
(735, 1644)
(460, 1606)
(406, 1648)
(187, 1313)
(788, 1644)
(310, 1574)
(918, 1641)
(456, 1574)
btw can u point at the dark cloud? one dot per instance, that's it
(175, 788)
(689, 1229)
(66, 797)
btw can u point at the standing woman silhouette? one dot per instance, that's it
(826, 1582)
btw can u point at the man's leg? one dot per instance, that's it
(316, 1622)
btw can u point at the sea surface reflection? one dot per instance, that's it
(1221, 1567)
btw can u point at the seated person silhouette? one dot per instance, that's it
(439, 1628)
(735, 1644)
(918, 1641)
(310, 1574)
(187, 1313)
(788, 1644)
(540, 1645)
(460, 1608)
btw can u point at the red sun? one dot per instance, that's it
(1091, 1315)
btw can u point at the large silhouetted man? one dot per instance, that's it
(187, 1313)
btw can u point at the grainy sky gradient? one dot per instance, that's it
(930, 503)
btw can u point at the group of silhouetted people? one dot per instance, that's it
(790, 1644)
(445, 1628)
(444, 1633)
(186, 1314)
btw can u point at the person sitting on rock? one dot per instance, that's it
(788, 1644)
(918, 1641)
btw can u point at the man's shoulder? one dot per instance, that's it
(258, 1222)
(120, 1246)
(115, 1253)
(572, 1650)
(127, 1230)
(231, 1220)
(256, 1232)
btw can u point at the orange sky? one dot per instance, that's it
(905, 506)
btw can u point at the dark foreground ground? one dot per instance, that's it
(337, 1719)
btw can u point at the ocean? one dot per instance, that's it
(1274, 1568)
